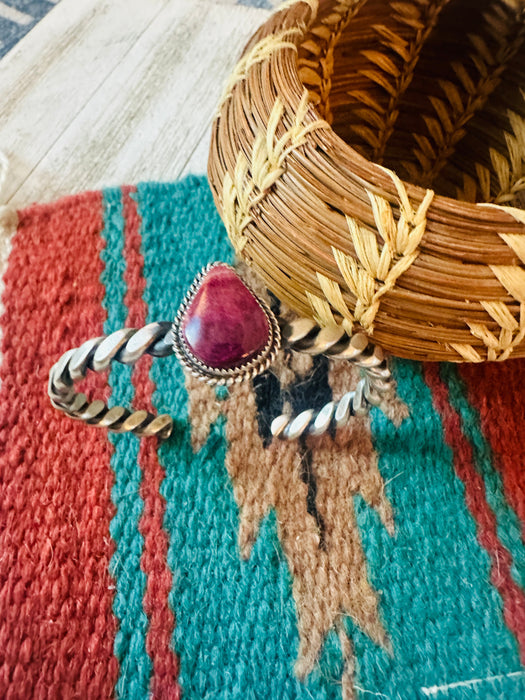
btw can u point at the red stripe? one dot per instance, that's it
(154, 558)
(496, 391)
(56, 623)
(512, 595)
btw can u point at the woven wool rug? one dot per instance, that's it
(388, 562)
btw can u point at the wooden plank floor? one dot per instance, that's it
(106, 92)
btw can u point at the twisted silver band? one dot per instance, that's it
(127, 345)
(304, 335)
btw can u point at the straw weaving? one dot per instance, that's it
(374, 173)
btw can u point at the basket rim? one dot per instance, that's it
(377, 172)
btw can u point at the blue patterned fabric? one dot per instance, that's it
(15, 24)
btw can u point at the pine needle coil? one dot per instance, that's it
(336, 115)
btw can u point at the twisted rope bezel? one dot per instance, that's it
(213, 375)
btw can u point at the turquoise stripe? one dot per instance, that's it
(112, 256)
(508, 524)
(130, 581)
(236, 630)
(443, 615)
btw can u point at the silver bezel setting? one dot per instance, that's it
(213, 375)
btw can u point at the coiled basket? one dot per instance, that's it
(368, 160)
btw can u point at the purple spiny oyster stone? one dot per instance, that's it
(224, 326)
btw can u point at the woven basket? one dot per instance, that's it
(368, 159)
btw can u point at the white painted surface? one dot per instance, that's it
(104, 92)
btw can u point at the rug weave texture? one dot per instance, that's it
(387, 561)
